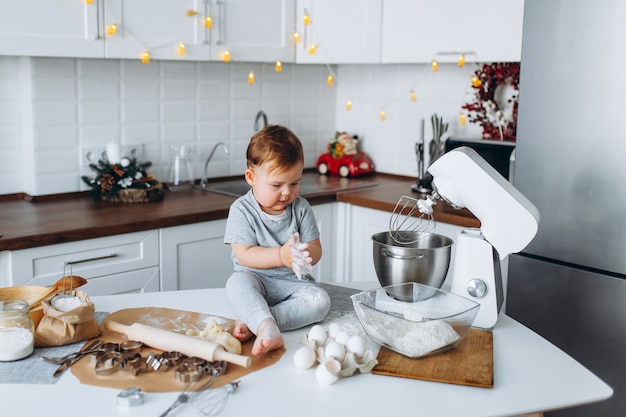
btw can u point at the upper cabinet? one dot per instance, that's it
(341, 32)
(61, 28)
(417, 31)
(199, 30)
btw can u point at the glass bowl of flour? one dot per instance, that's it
(426, 321)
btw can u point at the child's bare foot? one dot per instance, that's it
(241, 332)
(268, 337)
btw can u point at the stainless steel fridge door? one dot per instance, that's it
(571, 145)
(583, 313)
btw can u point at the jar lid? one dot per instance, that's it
(13, 308)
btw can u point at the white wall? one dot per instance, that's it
(51, 108)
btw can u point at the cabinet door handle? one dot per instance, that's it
(222, 21)
(97, 258)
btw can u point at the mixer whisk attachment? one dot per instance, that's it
(412, 217)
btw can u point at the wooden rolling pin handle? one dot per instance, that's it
(188, 345)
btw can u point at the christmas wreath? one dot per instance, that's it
(496, 100)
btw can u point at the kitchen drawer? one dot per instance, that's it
(90, 258)
(142, 280)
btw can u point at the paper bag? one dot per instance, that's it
(58, 328)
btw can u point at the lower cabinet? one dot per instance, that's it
(194, 256)
(118, 264)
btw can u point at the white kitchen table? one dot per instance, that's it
(530, 375)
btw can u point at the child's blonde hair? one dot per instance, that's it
(277, 145)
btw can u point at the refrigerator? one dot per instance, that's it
(569, 284)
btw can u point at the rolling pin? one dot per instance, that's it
(166, 340)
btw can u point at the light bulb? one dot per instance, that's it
(190, 12)
(312, 48)
(279, 66)
(461, 61)
(112, 29)
(434, 65)
(413, 96)
(208, 22)
(89, 1)
(475, 81)
(182, 50)
(226, 56)
(349, 105)
(251, 77)
(145, 57)
(330, 80)
(382, 116)
(462, 119)
(307, 19)
(296, 37)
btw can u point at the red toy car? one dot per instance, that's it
(345, 166)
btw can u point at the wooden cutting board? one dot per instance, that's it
(470, 363)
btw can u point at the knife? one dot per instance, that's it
(65, 365)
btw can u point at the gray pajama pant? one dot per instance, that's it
(291, 303)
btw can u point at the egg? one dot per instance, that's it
(318, 334)
(327, 373)
(356, 345)
(335, 350)
(333, 330)
(304, 358)
(342, 337)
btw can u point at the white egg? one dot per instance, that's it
(356, 345)
(304, 358)
(327, 372)
(335, 350)
(318, 334)
(342, 337)
(333, 330)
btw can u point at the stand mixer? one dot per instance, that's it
(509, 221)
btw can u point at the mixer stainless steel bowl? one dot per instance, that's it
(424, 261)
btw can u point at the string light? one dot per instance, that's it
(190, 12)
(413, 96)
(307, 18)
(296, 37)
(349, 105)
(461, 61)
(226, 56)
(330, 80)
(251, 77)
(145, 58)
(112, 29)
(434, 65)
(462, 119)
(312, 49)
(182, 50)
(208, 22)
(279, 66)
(475, 81)
(382, 116)
(88, 1)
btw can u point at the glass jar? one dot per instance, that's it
(181, 173)
(17, 331)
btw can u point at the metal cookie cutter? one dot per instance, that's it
(109, 363)
(130, 397)
(191, 370)
(130, 348)
(171, 360)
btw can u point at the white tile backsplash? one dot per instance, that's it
(50, 108)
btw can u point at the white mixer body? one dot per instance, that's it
(476, 274)
(508, 222)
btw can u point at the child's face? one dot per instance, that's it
(274, 190)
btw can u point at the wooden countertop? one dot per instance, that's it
(59, 219)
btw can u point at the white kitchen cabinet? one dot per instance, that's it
(60, 28)
(418, 31)
(112, 265)
(157, 27)
(364, 223)
(249, 30)
(326, 269)
(195, 256)
(344, 32)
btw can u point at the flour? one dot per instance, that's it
(16, 344)
(65, 304)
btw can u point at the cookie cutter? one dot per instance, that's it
(130, 397)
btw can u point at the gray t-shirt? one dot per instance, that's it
(248, 225)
